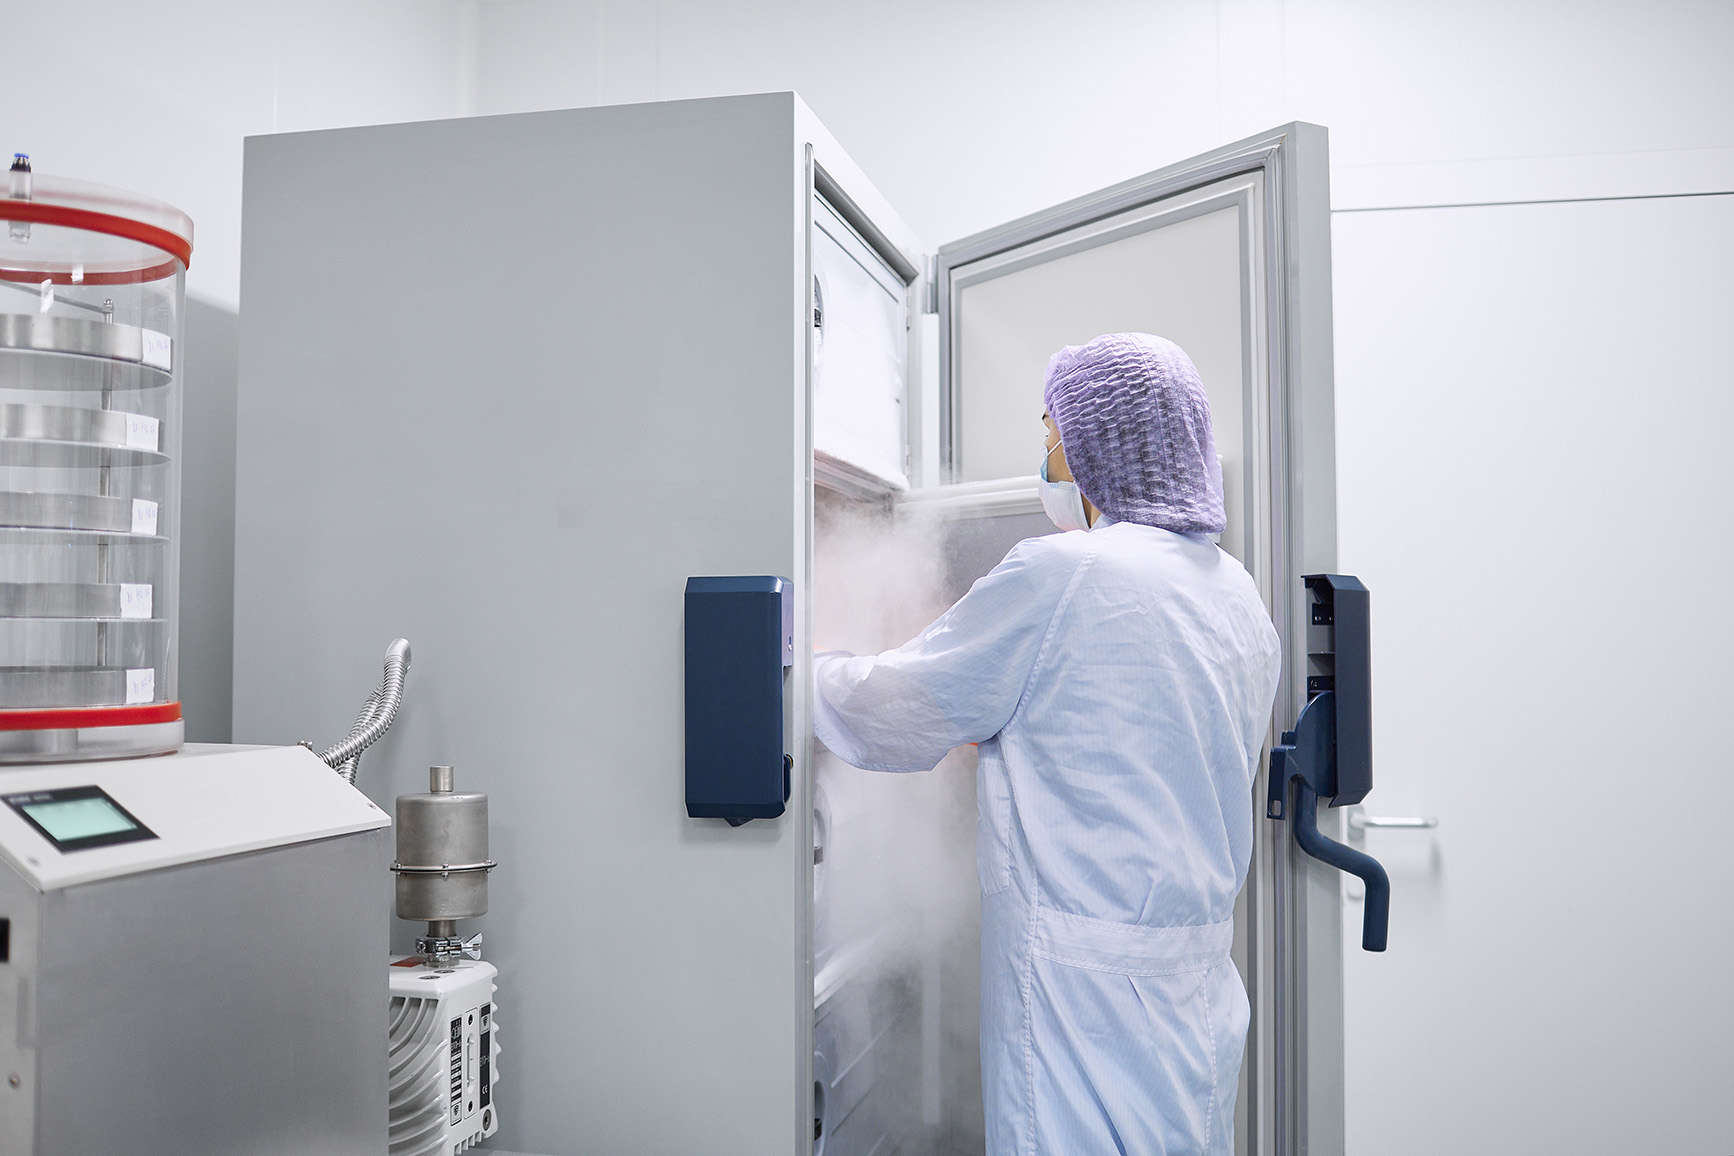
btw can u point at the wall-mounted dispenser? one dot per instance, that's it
(740, 639)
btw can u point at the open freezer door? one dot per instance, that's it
(1227, 254)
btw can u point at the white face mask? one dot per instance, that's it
(1063, 502)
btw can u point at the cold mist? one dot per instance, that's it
(896, 931)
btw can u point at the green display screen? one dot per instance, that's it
(79, 818)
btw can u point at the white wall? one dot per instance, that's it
(1533, 479)
(967, 114)
(156, 97)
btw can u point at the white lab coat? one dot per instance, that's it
(1119, 682)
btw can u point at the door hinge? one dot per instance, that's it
(930, 299)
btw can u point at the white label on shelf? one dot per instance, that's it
(141, 685)
(142, 433)
(135, 600)
(144, 516)
(157, 350)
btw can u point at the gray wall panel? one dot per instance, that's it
(213, 336)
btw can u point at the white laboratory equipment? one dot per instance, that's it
(190, 956)
(444, 1056)
(189, 941)
(641, 344)
(91, 282)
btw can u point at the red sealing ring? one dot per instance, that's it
(77, 718)
(94, 222)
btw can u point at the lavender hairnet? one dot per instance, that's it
(1135, 423)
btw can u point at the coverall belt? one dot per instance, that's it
(1129, 948)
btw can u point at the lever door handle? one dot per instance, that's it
(1305, 759)
(1329, 753)
(1376, 916)
(1361, 822)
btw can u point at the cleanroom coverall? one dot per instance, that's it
(1119, 682)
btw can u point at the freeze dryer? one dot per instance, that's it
(190, 938)
(509, 384)
(190, 956)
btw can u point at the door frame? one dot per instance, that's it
(1290, 917)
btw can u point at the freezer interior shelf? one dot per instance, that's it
(73, 353)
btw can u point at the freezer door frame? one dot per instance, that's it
(1289, 923)
(827, 172)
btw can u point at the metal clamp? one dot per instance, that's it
(445, 950)
(443, 869)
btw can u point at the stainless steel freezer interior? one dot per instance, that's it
(652, 342)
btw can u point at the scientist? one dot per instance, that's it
(1119, 680)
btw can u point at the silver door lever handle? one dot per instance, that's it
(1361, 822)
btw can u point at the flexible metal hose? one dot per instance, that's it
(376, 715)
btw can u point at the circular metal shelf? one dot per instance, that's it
(52, 536)
(75, 353)
(65, 435)
(73, 455)
(111, 428)
(75, 642)
(39, 687)
(80, 600)
(48, 511)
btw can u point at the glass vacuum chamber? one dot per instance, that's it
(91, 291)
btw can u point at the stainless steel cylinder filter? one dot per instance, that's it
(442, 852)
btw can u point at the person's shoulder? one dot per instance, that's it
(1064, 550)
(1047, 563)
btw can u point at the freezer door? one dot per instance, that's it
(1227, 254)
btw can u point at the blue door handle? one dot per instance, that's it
(1329, 753)
(1306, 758)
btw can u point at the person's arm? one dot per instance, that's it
(959, 681)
